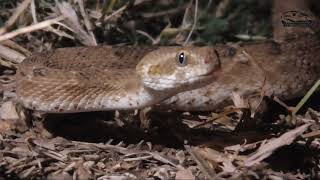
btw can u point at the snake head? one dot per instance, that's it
(178, 68)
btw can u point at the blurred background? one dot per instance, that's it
(137, 22)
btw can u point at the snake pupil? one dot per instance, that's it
(181, 58)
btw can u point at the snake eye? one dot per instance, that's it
(182, 58)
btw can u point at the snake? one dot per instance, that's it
(191, 78)
(83, 79)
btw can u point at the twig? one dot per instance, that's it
(194, 23)
(22, 7)
(31, 28)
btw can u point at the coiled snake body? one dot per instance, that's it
(181, 78)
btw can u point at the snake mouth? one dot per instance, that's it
(212, 72)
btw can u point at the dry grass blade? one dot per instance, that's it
(73, 21)
(121, 150)
(17, 47)
(162, 159)
(138, 158)
(11, 55)
(223, 114)
(20, 9)
(153, 155)
(31, 28)
(306, 97)
(154, 41)
(87, 22)
(117, 12)
(33, 11)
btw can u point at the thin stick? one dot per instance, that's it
(194, 23)
(27, 29)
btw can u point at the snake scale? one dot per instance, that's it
(181, 78)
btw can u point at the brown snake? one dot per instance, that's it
(111, 78)
(105, 78)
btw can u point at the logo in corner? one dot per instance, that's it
(297, 19)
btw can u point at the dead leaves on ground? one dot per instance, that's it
(28, 156)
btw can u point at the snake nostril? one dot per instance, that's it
(39, 72)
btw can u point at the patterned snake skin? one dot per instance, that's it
(114, 78)
(111, 78)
